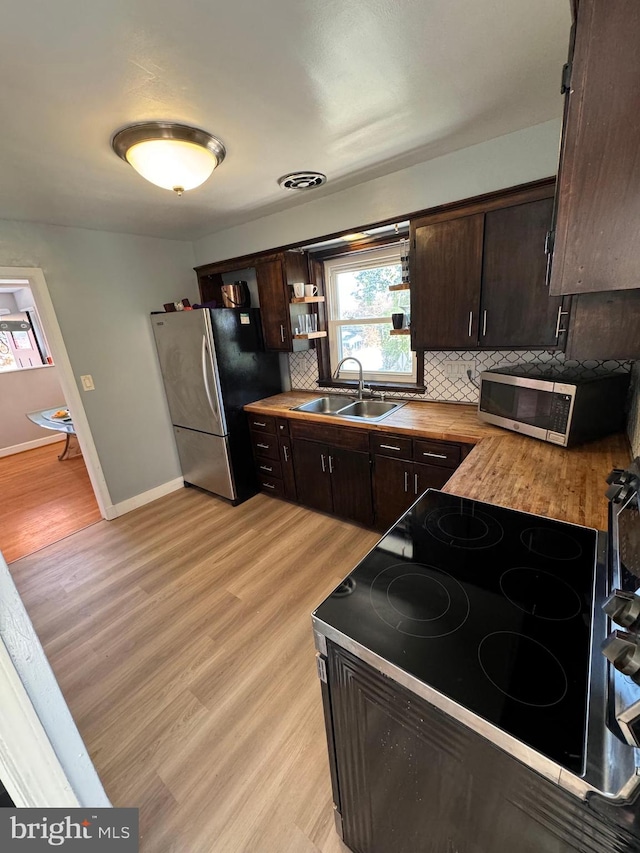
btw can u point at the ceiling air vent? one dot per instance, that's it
(302, 180)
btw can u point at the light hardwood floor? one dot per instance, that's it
(42, 500)
(181, 637)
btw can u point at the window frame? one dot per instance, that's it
(356, 262)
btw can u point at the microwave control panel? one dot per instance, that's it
(560, 408)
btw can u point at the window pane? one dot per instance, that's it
(365, 294)
(378, 351)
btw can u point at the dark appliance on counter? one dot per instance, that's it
(565, 405)
(213, 363)
(468, 708)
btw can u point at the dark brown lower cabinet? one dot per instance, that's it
(397, 483)
(334, 480)
(407, 778)
(286, 465)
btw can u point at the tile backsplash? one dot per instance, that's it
(303, 367)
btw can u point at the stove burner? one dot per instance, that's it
(547, 542)
(419, 600)
(540, 593)
(523, 669)
(463, 527)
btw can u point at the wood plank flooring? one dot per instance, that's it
(42, 500)
(181, 637)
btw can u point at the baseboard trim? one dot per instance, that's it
(116, 510)
(30, 445)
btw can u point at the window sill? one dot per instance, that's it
(352, 385)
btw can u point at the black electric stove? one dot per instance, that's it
(489, 606)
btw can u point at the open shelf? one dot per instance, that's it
(403, 286)
(400, 332)
(298, 299)
(308, 336)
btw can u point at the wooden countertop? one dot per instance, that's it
(503, 468)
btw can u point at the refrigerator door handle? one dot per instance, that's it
(214, 410)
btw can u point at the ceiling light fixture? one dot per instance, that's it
(172, 156)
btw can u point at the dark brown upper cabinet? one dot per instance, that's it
(515, 309)
(275, 272)
(478, 276)
(597, 232)
(446, 275)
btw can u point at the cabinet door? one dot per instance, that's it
(351, 485)
(393, 490)
(274, 306)
(311, 464)
(286, 465)
(596, 242)
(605, 325)
(516, 309)
(429, 477)
(446, 275)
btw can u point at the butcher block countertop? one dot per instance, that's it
(503, 468)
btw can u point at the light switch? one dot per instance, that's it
(87, 382)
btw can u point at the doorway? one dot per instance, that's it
(51, 482)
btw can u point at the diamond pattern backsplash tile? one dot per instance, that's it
(440, 387)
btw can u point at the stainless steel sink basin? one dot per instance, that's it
(369, 409)
(326, 405)
(338, 405)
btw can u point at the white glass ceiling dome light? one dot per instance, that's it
(172, 156)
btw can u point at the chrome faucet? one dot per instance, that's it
(360, 380)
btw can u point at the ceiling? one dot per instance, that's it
(351, 88)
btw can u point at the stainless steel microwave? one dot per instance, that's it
(563, 406)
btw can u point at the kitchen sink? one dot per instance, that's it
(339, 405)
(326, 405)
(369, 409)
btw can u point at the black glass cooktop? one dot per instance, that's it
(491, 607)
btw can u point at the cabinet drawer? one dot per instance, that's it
(268, 468)
(346, 438)
(262, 423)
(265, 445)
(437, 453)
(282, 426)
(271, 485)
(391, 445)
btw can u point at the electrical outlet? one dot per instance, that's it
(87, 382)
(458, 369)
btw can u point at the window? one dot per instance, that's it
(360, 306)
(21, 342)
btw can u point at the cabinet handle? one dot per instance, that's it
(436, 455)
(470, 322)
(561, 314)
(415, 484)
(286, 453)
(268, 486)
(324, 467)
(389, 447)
(257, 423)
(331, 464)
(281, 332)
(264, 446)
(266, 468)
(484, 322)
(406, 481)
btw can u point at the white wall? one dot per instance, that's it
(526, 155)
(7, 300)
(103, 287)
(23, 391)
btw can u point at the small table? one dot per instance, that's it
(46, 420)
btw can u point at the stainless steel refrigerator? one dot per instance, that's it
(213, 362)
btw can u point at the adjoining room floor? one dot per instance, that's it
(181, 637)
(43, 500)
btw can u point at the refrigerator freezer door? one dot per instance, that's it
(204, 460)
(188, 369)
